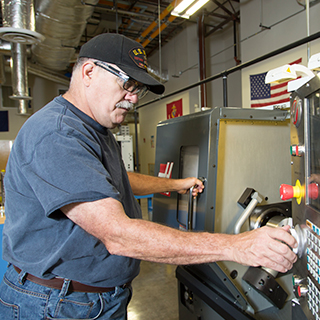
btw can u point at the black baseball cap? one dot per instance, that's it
(127, 54)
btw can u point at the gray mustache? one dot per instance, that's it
(125, 105)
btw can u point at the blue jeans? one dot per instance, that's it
(23, 299)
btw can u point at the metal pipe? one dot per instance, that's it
(225, 90)
(136, 137)
(2, 70)
(19, 22)
(202, 60)
(308, 26)
(153, 24)
(23, 108)
(19, 72)
(239, 67)
(255, 199)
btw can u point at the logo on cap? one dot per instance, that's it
(138, 55)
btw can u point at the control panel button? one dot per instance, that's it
(288, 192)
(296, 150)
(300, 290)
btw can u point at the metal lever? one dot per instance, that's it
(188, 225)
(255, 199)
(190, 206)
(190, 210)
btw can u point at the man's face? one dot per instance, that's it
(107, 101)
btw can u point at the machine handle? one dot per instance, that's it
(188, 224)
(190, 210)
(255, 199)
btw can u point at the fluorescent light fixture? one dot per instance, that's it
(182, 6)
(196, 7)
(187, 8)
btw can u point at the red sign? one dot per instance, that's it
(166, 172)
(174, 109)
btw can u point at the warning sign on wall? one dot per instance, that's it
(166, 172)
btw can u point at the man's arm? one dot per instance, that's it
(107, 221)
(143, 184)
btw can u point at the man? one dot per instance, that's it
(74, 234)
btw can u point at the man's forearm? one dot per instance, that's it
(143, 184)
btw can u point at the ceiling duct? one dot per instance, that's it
(19, 75)
(18, 22)
(19, 28)
(62, 22)
(23, 108)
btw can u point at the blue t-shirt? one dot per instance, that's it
(62, 156)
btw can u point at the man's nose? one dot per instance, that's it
(132, 97)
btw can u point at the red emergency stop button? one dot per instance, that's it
(313, 191)
(288, 192)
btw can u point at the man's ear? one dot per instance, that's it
(87, 70)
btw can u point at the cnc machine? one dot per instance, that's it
(243, 157)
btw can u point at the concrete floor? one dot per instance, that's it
(155, 293)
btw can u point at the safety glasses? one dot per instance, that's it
(125, 81)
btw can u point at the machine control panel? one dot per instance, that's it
(305, 174)
(313, 251)
(313, 296)
(308, 287)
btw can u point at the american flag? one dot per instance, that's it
(271, 94)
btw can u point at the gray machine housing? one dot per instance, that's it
(231, 149)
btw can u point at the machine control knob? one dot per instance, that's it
(296, 150)
(300, 235)
(300, 290)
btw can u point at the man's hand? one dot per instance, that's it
(314, 178)
(266, 246)
(187, 183)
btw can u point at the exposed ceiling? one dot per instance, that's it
(64, 25)
(138, 20)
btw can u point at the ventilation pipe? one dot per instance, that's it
(23, 108)
(19, 29)
(19, 75)
(62, 22)
(18, 21)
(2, 70)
